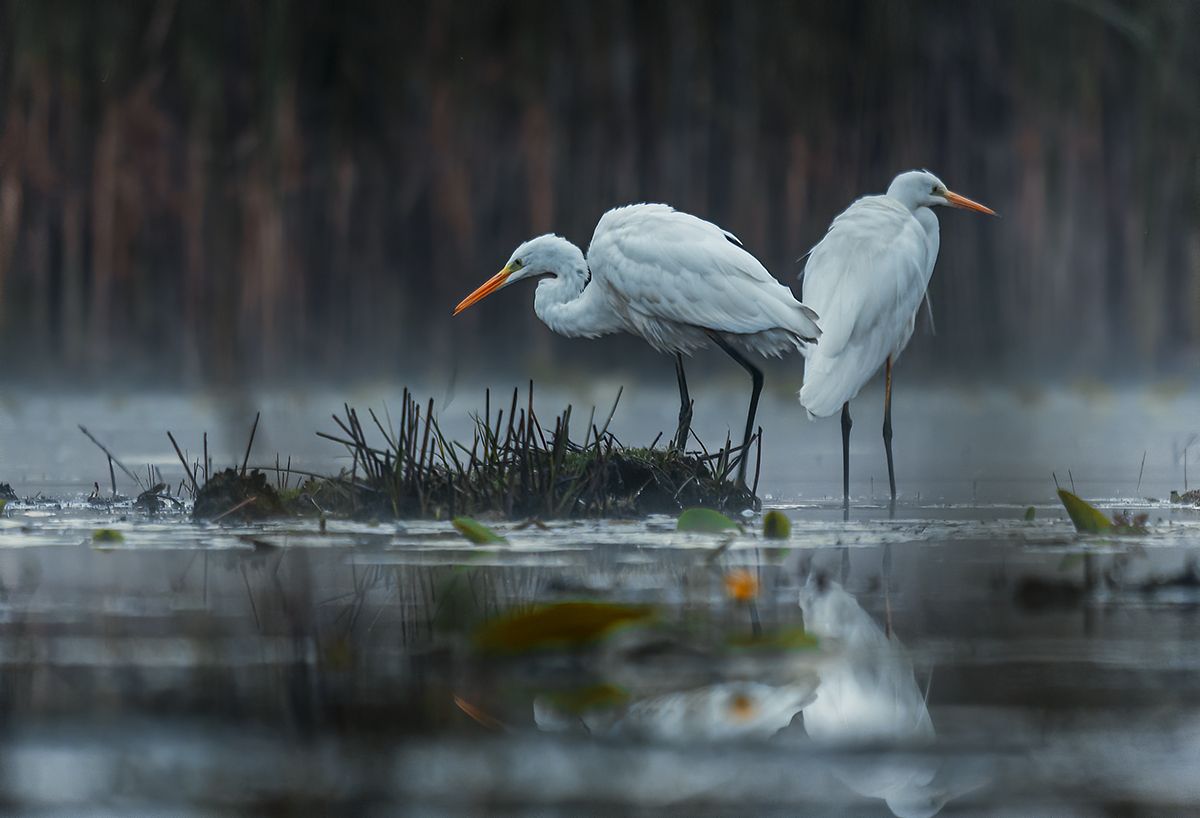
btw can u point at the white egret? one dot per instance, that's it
(674, 280)
(866, 279)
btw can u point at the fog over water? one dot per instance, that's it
(952, 444)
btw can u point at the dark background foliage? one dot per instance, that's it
(214, 191)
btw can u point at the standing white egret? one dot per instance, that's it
(670, 278)
(866, 278)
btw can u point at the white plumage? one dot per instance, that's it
(673, 279)
(671, 276)
(866, 279)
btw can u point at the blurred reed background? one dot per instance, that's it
(217, 191)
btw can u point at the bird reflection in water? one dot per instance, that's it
(730, 711)
(868, 699)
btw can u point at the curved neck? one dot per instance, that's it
(567, 305)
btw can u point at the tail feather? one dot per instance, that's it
(829, 383)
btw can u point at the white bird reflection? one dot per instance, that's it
(868, 696)
(730, 711)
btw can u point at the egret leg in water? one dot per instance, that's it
(887, 430)
(685, 406)
(847, 424)
(756, 379)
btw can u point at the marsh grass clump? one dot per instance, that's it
(237, 496)
(517, 467)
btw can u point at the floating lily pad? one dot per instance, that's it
(560, 625)
(1086, 517)
(476, 532)
(776, 525)
(704, 521)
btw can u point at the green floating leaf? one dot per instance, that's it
(704, 521)
(787, 639)
(1086, 517)
(1030, 513)
(476, 532)
(559, 625)
(103, 535)
(776, 525)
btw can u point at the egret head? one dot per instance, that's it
(546, 255)
(920, 188)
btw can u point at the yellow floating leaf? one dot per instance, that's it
(1086, 517)
(558, 625)
(107, 535)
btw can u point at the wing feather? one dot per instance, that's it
(660, 265)
(866, 279)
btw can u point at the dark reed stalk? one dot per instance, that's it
(112, 458)
(250, 442)
(191, 475)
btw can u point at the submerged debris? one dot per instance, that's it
(156, 499)
(1191, 498)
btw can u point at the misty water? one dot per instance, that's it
(966, 660)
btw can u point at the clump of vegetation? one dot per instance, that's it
(232, 495)
(519, 468)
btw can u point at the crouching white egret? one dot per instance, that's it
(866, 278)
(674, 280)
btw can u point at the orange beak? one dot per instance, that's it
(963, 201)
(487, 288)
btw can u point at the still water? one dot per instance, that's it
(959, 659)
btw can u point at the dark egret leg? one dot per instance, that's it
(756, 378)
(847, 423)
(685, 406)
(887, 429)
